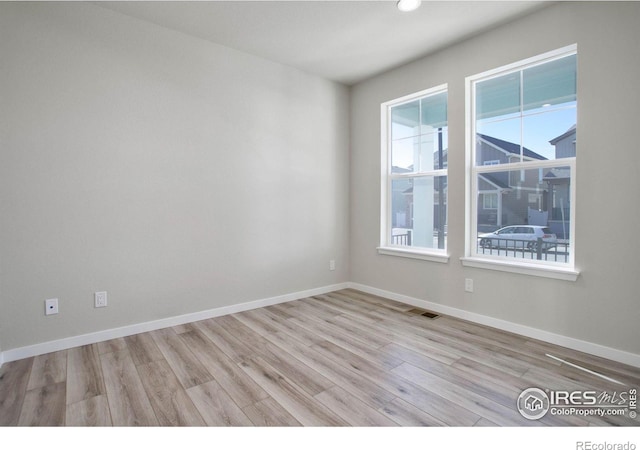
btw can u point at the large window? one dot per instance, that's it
(522, 159)
(414, 175)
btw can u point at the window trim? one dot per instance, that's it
(562, 271)
(385, 248)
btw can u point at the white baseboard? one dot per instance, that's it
(613, 354)
(105, 335)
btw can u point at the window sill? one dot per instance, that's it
(555, 272)
(414, 254)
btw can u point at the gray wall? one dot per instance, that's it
(603, 306)
(176, 174)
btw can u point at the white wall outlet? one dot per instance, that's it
(50, 306)
(100, 299)
(332, 264)
(468, 284)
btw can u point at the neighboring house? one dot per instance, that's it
(558, 180)
(506, 198)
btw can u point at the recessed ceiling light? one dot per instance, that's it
(408, 5)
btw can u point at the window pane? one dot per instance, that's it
(552, 83)
(498, 141)
(434, 111)
(498, 96)
(419, 212)
(421, 153)
(402, 151)
(551, 135)
(405, 120)
(538, 206)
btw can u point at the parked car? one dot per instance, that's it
(520, 237)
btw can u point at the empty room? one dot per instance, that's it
(335, 214)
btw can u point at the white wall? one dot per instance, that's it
(176, 174)
(603, 306)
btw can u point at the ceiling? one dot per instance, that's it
(344, 41)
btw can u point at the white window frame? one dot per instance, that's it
(386, 248)
(564, 271)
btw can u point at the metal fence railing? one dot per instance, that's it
(527, 249)
(402, 239)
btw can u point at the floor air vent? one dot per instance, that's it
(422, 312)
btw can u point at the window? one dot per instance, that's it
(414, 176)
(489, 201)
(522, 159)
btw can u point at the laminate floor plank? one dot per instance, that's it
(460, 348)
(407, 415)
(344, 305)
(269, 413)
(342, 339)
(424, 399)
(47, 369)
(215, 405)
(269, 322)
(240, 387)
(463, 397)
(183, 328)
(292, 368)
(14, 377)
(44, 406)
(484, 423)
(143, 349)
(84, 374)
(128, 401)
(506, 346)
(225, 341)
(309, 306)
(378, 301)
(426, 347)
(339, 374)
(112, 345)
(169, 401)
(500, 393)
(92, 412)
(481, 371)
(292, 398)
(346, 330)
(352, 410)
(365, 303)
(186, 366)
(279, 310)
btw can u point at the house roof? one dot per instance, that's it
(510, 147)
(564, 135)
(557, 173)
(492, 179)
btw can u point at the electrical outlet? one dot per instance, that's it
(51, 306)
(332, 264)
(100, 299)
(468, 284)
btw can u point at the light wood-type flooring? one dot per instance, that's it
(341, 359)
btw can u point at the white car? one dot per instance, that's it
(519, 237)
